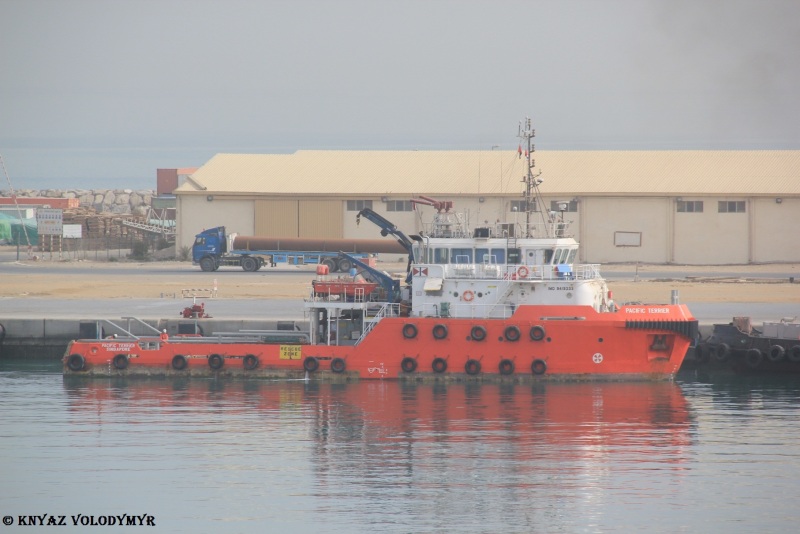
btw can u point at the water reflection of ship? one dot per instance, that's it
(542, 420)
(456, 457)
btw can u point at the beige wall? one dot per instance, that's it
(412, 222)
(195, 214)
(691, 231)
(607, 216)
(766, 232)
(777, 230)
(729, 238)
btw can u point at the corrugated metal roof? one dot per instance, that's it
(309, 172)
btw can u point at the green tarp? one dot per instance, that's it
(13, 230)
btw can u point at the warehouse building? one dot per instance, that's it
(684, 207)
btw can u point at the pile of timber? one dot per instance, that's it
(105, 229)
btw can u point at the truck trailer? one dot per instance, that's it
(214, 248)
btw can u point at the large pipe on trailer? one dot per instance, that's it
(305, 244)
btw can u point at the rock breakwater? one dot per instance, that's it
(115, 201)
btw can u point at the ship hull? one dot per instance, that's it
(535, 343)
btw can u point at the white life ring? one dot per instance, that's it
(523, 272)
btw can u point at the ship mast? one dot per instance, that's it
(532, 195)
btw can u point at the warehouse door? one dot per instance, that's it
(299, 218)
(276, 218)
(321, 219)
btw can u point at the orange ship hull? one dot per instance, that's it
(537, 342)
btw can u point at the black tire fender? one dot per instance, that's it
(478, 333)
(472, 367)
(408, 365)
(539, 367)
(512, 333)
(409, 331)
(338, 365)
(753, 358)
(776, 353)
(179, 362)
(76, 362)
(311, 364)
(537, 333)
(215, 361)
(120, 361)
(720, 352)
(250, 362)
(439, 331)
(506, 367)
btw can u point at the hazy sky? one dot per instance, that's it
(104, 92)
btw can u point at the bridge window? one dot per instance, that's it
(548, 256)
(461, 255)
(440, 255)
(572, 254)
(495, 256)
(514, 255)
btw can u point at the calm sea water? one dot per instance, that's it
(714, 454)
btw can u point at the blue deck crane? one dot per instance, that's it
(387, 227)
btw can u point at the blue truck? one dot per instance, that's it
(214, 248)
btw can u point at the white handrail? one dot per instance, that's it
(522, 271)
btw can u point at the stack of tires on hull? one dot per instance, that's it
(472, 366)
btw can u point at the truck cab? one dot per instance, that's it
(209, 246)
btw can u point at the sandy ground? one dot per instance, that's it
(104, 280)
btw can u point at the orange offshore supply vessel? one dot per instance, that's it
(506, 302)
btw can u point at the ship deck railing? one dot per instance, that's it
(518, 272)
(467, 310)
(551, 229)
(107, 328)
(357, 295)
(389, 309)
